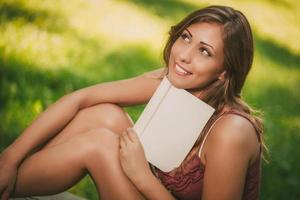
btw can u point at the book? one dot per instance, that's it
(170, 124)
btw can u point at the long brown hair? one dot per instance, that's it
(238, 57)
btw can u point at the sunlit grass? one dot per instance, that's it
(120, 23)
(89, 21)
(265, 72)
(38, 47)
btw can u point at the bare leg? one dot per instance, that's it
(53, 170)
(104, 115)
(57, 168)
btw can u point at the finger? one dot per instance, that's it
(133, 135)
(131, 129)
(126, 137)
(122, 142)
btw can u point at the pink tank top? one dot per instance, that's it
(186, 181)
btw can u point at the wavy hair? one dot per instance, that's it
(238, 56)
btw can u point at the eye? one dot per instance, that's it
(185, 37)
(204, 51)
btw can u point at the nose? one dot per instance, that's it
(185, 55)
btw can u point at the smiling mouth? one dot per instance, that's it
(181, 71)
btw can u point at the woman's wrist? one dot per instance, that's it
(11, 157)
(153, 189)
(141, 181)
(147, 183)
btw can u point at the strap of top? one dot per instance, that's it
(220, 116)
(204, 139)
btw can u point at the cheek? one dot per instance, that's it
(207, 72)
(173, 53)
(205, 66)
(176, 47)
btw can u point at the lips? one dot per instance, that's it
(181, 71)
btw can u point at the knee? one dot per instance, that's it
(100, 143)
(95, 148)
(107, 115)
(101, 149)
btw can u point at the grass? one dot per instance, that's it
(50, 48)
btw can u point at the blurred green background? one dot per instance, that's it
(49, 48)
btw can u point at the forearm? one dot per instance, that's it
(153, 189)
(44, 127)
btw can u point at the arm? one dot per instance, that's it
(231, 146)
(131, 91)
(152, 189)
(135, 166)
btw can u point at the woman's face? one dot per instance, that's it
(196, 58)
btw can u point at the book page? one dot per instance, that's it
(170, 124)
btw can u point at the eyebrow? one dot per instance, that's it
(200, 41)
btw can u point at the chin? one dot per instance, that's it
(177, 82)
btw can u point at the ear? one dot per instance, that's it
(222, 76)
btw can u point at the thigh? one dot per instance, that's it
(51, 170)
(55, 169)
(105, 168)
(105, 115)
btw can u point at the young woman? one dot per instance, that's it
(209, 53)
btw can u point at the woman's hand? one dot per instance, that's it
(135, 166)
(132, 157)
(8, 175)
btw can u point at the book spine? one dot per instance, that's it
(156, 108)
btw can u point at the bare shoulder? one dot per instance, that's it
(234, 133)
(230, 149)
(234, 127)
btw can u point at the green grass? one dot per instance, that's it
(50, 48)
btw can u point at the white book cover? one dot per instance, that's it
(170, 125)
